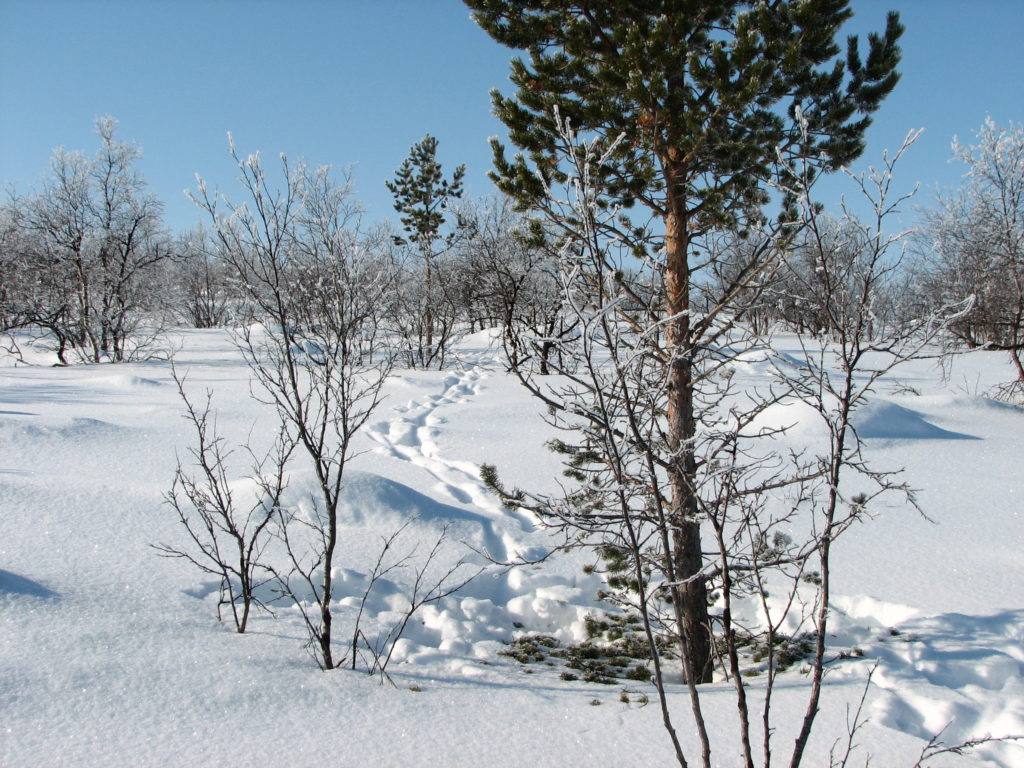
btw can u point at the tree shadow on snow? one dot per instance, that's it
(13, 584)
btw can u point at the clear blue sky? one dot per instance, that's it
(353, 83)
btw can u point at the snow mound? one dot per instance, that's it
(370, 500)
(78, 429)
(792, 417)
(487, 339)
(760, 361)
(878, 419)
(884, 419)
(976, 403)
(496, 606)
(90, 428)
(882, 613)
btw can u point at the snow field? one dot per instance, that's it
(110, 655)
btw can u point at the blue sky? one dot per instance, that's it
(353, 83)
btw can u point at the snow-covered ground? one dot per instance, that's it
(111, 655)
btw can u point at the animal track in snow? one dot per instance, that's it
(978, 660)
(411, 437)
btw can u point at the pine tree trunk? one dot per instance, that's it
(428, 318)
(691, 596)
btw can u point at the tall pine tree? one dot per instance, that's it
(711, 98)
(421, 195)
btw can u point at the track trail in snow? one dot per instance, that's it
(956, 675)
(410, 437)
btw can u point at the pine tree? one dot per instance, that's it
(711, 99)
(421, 195)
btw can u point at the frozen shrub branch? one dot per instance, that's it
(227, 539)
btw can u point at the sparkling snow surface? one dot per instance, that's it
(112, 656)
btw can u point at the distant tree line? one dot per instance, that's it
(90, 269)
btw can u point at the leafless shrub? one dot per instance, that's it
(226, 539)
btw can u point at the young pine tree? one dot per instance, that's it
(710, 101)
(421, 196)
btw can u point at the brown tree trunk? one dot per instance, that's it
(691, 595)
(428, 319)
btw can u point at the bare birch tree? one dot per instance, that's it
(92, 239)
(315, 356)
(977, 247)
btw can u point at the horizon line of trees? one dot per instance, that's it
(87, 261)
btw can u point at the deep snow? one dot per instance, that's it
(111, 655)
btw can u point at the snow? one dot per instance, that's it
(111, 655)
